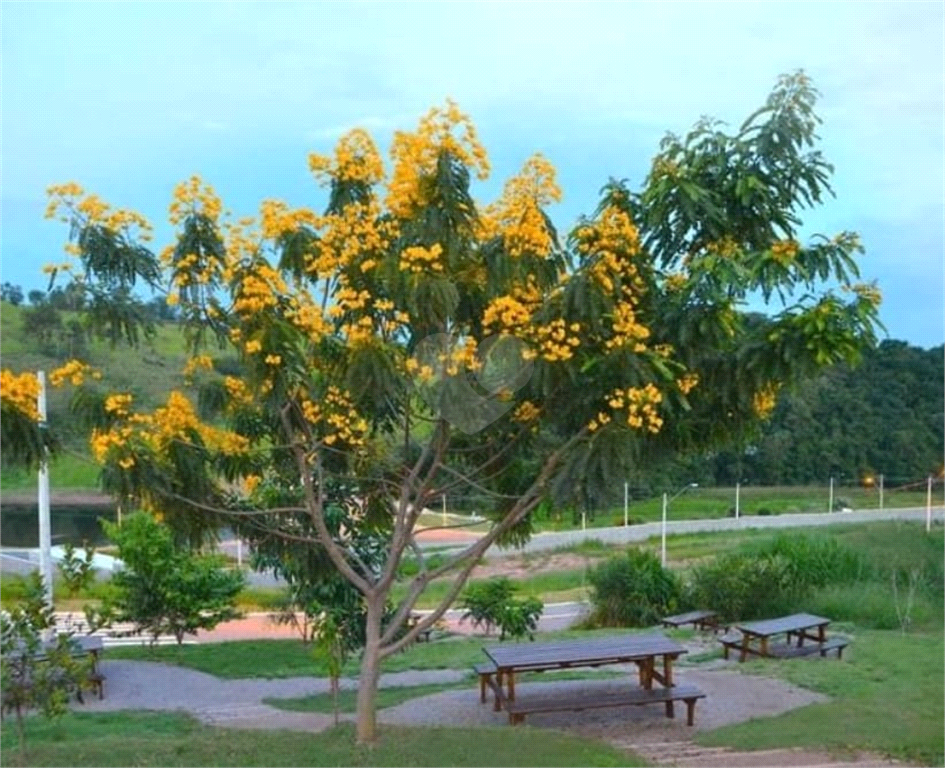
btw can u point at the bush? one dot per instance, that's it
(632, 590)
(165, 589)
(492, 604)
(743, 586)
(815, 560)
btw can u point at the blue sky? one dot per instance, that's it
(129, 98)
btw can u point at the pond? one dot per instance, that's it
(74, 524)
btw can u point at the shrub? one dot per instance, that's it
(166, 589)
(815, 560)
(632, 590)
(743, 586)
(34, 675)
(492, 604)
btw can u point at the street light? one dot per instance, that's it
(665, 505)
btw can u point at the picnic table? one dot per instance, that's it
(756, 637)
(653, 655)
(699, 619)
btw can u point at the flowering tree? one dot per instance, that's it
(409, 341)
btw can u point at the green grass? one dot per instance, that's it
(67, 472)
(886, 696)
(709, 502)
(151, 739)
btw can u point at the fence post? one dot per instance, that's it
(928, 505)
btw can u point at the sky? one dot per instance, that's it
(130, 98)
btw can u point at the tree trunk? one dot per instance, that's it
(370, 673)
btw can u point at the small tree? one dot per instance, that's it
(34, 676)
(493, 604)
(165, 589)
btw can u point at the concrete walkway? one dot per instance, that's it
(238, 703)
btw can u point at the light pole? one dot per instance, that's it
(665, 505)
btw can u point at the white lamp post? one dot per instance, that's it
(665, 505)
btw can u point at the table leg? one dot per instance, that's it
(668, 681)
(744, 651)
(497, 704)
(822, 633)
(511, 685)
(764, 646)
(668, 670)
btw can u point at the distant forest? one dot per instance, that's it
(885, 416)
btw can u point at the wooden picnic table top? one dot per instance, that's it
(577, 652)
(793, 623)
(686, 618)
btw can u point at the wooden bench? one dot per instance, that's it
(412, 620)
(730, 641)
(590, 700)
(789, 651)
(486, 672)
(733, 641)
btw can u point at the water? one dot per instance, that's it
(74, 524)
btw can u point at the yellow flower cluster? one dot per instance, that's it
(784, 251)
(556, 341)
(193, 197)
(424, 373)
(627, 331)
(349, 300)
(359, 332)
(20, 391)
(250, 483)
(258, 290)
(418, 259)
(461, 356)
(356, 159)
(196, 363)
(867, 291)
(348, 237)
(103, 442)
(415, 155)
(517, 215)
(276, 219)
(337, 415)
(506, 314)
(178, 418)
(238, 391)
(120, 404)
(526, 412)
(765, 399)
(726, 247)
(74, 372)
(687, 383)
(639, 406)
(67, 199)
(307, 316)
(609, 243)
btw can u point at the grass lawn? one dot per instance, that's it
(144, 739)
(886, 696)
